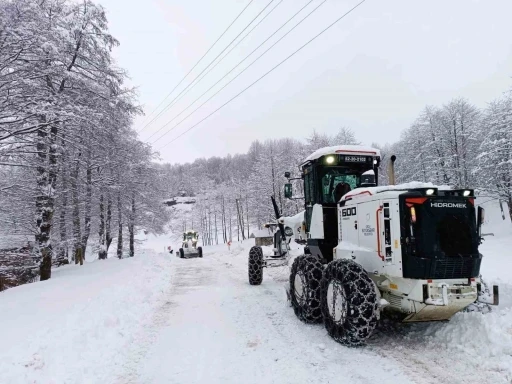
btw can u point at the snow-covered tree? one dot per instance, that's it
(494, 162)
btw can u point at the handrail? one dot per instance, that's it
(378, 234)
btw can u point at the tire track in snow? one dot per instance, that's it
(142, 341)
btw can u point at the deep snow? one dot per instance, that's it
(156, 318)
(75, 327)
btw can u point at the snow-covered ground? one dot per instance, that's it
(156, 318)
(75, 327)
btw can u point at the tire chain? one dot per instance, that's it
(362, 304)
(255, 266)
(312, 270)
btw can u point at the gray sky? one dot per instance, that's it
(374, 71)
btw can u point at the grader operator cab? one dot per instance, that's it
(189, 247)
(410, 248)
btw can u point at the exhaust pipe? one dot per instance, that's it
(391, 170)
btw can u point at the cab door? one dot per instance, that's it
(309, 195)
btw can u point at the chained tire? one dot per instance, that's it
(200, 251)
(349, 303)
(182, 253)
(255, 266)
(305, 288)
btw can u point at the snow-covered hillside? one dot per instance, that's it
(156, 318)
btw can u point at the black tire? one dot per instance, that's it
(255, 266)
(278, 245)
(200, 251)
(352, 322)
(182, 253)
(305, 283)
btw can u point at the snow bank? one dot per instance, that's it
(75, 327)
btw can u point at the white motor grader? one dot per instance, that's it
(284, 230)
(189, 245)
(411, 249)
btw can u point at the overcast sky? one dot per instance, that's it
(374, 71)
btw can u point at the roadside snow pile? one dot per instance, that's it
(72, 328)
(482, 336)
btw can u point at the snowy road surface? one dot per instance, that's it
(216, 328)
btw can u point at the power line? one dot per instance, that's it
(216, 57)
(241, 72)
(185, 91)
(267, 73)
(197, 63)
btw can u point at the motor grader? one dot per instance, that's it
(189, 245)
(411, 249)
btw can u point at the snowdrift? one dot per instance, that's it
(75, 327)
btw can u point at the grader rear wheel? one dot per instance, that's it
(349, 302)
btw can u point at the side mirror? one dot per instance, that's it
(368, 180)
(288, 193)
(287, 175)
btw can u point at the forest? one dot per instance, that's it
(71, 166)
(74, 176)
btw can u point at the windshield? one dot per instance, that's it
(336, 181)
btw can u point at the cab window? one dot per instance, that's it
(331, 177)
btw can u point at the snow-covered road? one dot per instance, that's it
(216, 328)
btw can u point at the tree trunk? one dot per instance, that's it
(230, 234)
(242, 220)
(108, 224)
(63, 248)
(120, 227)
(45, 201)
(77, 233)
(102, 253)
(87, 210)
(224, 221)
(240, 225)
(131, 228)
(247, 214)
(210, 234)
(216, 230)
